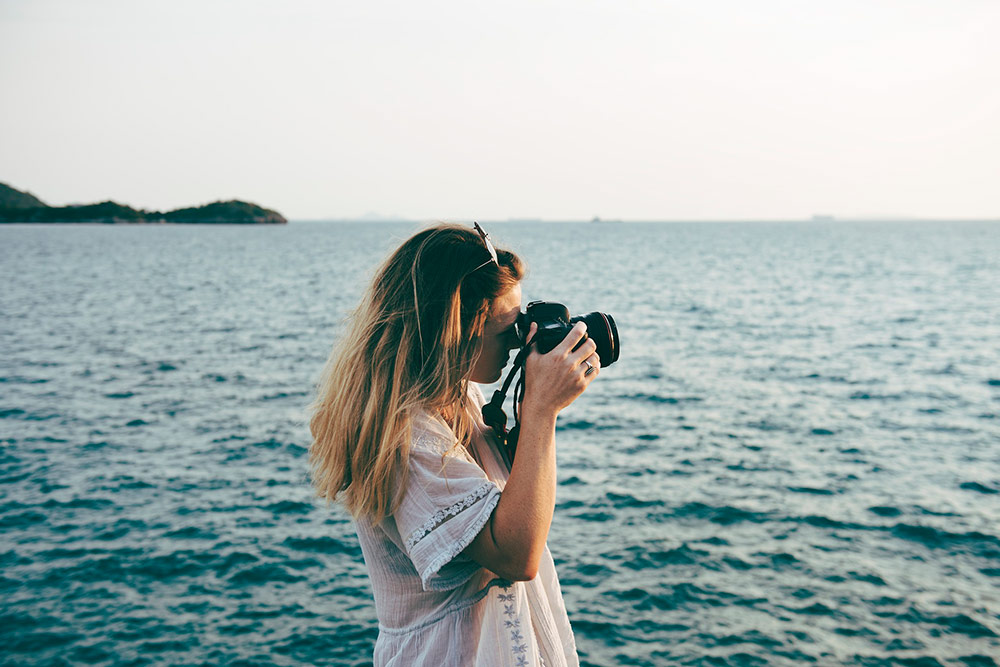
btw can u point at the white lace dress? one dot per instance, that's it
(437, 608)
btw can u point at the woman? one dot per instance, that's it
(453, 538)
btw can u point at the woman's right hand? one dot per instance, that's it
(555, 379)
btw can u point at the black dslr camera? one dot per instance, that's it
(554, 323)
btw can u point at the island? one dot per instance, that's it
(17, 206)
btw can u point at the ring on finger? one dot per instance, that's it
(590, 368)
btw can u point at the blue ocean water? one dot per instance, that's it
(796, 460)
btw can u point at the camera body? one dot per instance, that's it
(554, 323)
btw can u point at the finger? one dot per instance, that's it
(532, 330)
(592, 360)
(574, 336)
(584, 352)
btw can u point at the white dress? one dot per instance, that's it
(438, 608)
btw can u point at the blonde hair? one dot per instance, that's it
(409, 349)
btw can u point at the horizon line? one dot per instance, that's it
(615, 221)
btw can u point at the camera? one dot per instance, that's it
(554, 323)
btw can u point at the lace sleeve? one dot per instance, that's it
(446, 503)
(447, 513)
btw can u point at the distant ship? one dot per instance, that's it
(819, 217)
(597, 219)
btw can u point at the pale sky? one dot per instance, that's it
(697, 110)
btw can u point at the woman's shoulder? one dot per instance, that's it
(429, 433)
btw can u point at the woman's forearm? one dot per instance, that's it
(523, 516)
(513, 541)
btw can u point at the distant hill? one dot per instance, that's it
(11, 198)
(17, 206)
(107, 212)
(233, 211)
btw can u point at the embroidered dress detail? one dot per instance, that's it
(517, 644)
(443, 515)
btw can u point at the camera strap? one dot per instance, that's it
(493, 412)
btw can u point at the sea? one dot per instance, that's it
(795, 461)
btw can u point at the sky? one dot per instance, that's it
(709, 110)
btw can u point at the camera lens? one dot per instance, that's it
(602, 329)
(554, 323)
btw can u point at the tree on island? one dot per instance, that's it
(18, 206)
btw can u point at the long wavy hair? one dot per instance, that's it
(409, 349)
